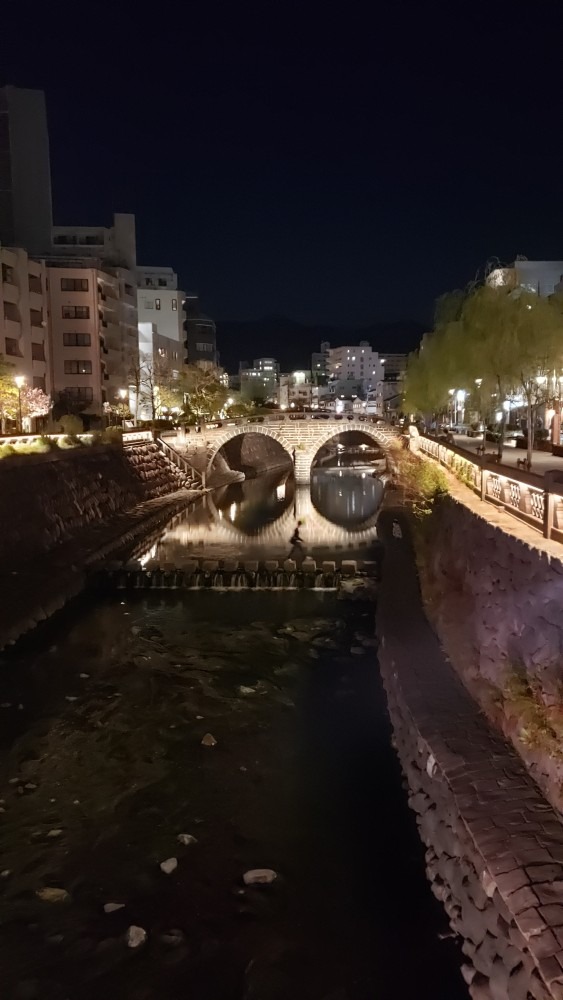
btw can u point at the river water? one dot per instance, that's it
(102, 767)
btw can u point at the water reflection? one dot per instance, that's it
(347, 497)
(256, 518)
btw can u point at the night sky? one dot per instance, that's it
(305, 160)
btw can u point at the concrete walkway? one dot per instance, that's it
(542, 461)
(510, 840)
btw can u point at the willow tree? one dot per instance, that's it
(514, 342)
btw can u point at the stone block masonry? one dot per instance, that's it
(47, 500)
(494, 845)
(495, 597)
(63, 513)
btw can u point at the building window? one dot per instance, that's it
(157, 303)
(149, 304)
(78, 367)
(84, 393)
(206, 347)
(174, 305)
(77, 339)
(38, 352)
(39, 382)
(76, 312)
(74, 284)
(162, 282)
(129, 290)
(13, 347)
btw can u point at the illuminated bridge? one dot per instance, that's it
(301, 437)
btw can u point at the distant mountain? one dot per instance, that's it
(292, 343)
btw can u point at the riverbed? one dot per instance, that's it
(103, 768)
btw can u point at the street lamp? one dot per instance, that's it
(123, 394)
(20, 382)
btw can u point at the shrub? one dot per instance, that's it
(5, 450)
(71, 424)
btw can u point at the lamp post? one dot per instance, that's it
(20, 382)
(122, 393)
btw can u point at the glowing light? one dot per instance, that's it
(230, 401)
(20, 381)
(460, 395)
(280, 491)
(233, 511)
(541, 379)
(498, 416)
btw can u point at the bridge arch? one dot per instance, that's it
(301, 439)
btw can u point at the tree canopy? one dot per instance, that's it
(497, 344)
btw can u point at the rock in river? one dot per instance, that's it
(209, 740)
(49, 894)
(169, 865)
(186, 839)
(259, 876)
(136, 936)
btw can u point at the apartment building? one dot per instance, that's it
(261, 380)
(93, 339)
(160, 309)
(200, 334)
(24, 341)
(320, 364)
(93, 295)
(355, 362)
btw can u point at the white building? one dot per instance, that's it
(24, 341)
(358, 363)
(159, 302)
(295, 390)
(539, 276)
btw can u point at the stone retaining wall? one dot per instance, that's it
(495, 598)
(48, 501)
(494, 844)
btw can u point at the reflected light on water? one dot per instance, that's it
(257, 518)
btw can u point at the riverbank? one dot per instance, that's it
(494, 844)
(44, 584)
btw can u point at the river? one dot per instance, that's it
(102, 767)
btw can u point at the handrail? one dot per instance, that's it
(538, 500)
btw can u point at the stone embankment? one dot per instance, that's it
(494, 845)
(62, 514)
(493, 588)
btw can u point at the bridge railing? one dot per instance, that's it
(537, 501)
(277, 418)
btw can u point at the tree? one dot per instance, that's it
(160, 387)
(204, 393)
(35, 402)
(8, 393)
(498, 344)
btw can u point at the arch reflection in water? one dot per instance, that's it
(257, 519)
(346, 497)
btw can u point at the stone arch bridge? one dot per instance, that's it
(301, 437)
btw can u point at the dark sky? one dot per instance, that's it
(307, 160)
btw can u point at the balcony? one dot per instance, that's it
(12, 329)
(36, 301)
(10, 292)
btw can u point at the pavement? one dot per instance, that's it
(542, 461)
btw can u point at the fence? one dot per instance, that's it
(534, 499)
